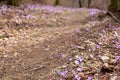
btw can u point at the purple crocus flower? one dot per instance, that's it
(30, 16)
(31, 7)
(77, 77)
(79, 69)
(90, 78)
(87, 29)
(64, 66)
(89, 49)
(117, 58)
(116, 54)
(4, 7)
(75, 46)
(98, 46)
(118, 47)
(78, 31)
(70, 59)
(76, 62)
(63, 73)
(92, 12)
(58, 55)
(80, 59)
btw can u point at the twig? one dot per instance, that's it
(36, 68)
(113, 16)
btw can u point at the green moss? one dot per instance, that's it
(56, 2)
(2, 36)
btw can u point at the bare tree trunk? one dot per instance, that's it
(89, 2)
(80, 3)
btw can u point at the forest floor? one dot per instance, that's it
(40, 42)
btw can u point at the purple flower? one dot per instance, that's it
(64, 66)
(73, 34)
(81, 59)
(70, 59)
(79, 69)
(31, 7)
(87, 29)
(78, 31)
(90, 78)
(63, 73)
(118, 47)
(58, 55)
(30, 16)
(98, 46)
(117, 58)
(89, 49)
(77, 77)
(75, 46)
(92, 12)
(4, 7)
(116, 53)
(76, 62)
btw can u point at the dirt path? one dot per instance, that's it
(40, 59)
(36, 54)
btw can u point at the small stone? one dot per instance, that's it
(5, 56)
(106, 64)
(81, 47)
(16, 54)
(91, 56)
(113, 78)
(104, 58)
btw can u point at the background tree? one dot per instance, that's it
(56, 2)
(14, 2)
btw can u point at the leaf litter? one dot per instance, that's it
(94, 51)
